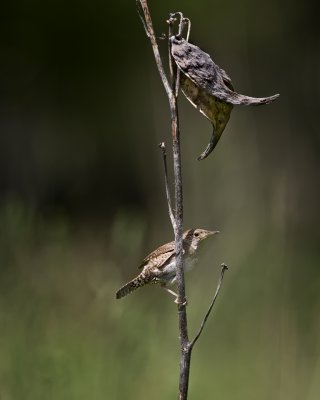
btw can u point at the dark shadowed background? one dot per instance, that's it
(82, 202)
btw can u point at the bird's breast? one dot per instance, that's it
(168, 272)
(189, 263)
(170, 268)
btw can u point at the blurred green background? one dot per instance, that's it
(82, 202)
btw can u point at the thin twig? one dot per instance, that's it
(187, 21)
(182, 23)
(142, 19)
(177, 83)
(223, 270)
(147, 23)
(175, 72)
(164, 156)
(172, 64)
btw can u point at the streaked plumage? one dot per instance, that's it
(160, 265)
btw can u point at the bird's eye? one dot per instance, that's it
(196, 234)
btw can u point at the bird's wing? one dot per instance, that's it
(165, 251)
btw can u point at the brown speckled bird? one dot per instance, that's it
(160, 265)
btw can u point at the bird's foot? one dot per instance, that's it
(184, 303)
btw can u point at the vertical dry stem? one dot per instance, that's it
(177, 220)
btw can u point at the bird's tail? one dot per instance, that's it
(141, 280)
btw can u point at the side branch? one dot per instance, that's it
(164, 156)
(223, 270)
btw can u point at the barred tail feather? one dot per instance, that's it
(137, 282)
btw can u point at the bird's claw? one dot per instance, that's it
(184, 303)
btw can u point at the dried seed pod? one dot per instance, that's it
(208, 87)
(217, 111)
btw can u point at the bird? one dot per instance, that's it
(160, 265)
(208, 87)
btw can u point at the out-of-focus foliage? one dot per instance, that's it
(82, 202)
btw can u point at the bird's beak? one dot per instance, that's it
(207, 234)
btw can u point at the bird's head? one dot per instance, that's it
(195, 236)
